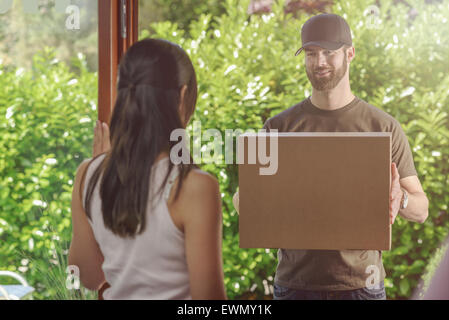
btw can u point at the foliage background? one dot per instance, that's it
(22, 34)
(246, 72)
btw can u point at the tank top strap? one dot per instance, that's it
(171, 179)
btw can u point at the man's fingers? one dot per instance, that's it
(395, 172)
(394, 210)
(395, 189)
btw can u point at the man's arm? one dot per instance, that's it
(417, 209)
(418, 205)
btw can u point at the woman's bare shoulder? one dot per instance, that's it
(198, 198)
(199, 189)
(200, 181)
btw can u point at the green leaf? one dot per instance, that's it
(404, 287)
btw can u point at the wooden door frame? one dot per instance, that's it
(112, 44)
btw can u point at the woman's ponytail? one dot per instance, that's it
(151, 75)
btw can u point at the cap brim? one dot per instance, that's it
(323, 44)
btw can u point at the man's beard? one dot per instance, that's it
(330, 81)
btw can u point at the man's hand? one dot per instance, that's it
(101, 139)
(395, 193)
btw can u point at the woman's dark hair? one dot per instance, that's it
(151, 75)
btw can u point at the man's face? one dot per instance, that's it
(325, 68)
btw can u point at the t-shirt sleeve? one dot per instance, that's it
(401, 153)
(271, 124)
(267, 125)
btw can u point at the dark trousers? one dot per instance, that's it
(283, 293)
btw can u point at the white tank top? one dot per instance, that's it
(152, 265)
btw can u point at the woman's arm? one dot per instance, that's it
(199, 208)
(84, 251)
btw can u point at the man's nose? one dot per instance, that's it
(322, 61)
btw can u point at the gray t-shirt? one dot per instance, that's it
(332, 269)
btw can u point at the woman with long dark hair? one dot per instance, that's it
(147, 227)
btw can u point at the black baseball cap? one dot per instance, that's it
(326, 30)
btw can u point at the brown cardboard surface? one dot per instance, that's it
(330, 191)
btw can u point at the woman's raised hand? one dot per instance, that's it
(102, 143)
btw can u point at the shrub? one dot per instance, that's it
(46, 130)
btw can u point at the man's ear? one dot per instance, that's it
(182, 105)
(350, 54)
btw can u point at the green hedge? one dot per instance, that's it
(46, 129)
(246, 72)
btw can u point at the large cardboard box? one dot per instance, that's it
(330, 191)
